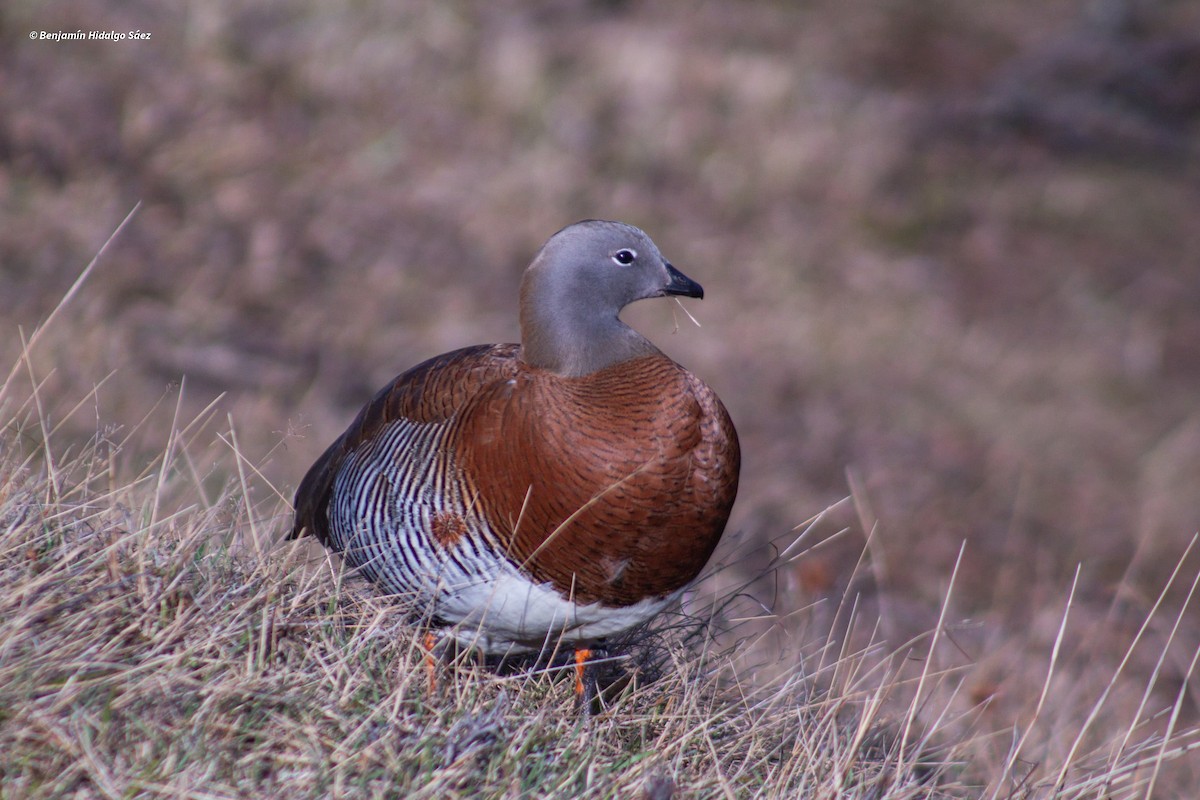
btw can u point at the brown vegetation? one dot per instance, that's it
(950, 255)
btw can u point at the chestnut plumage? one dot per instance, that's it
(567, 488)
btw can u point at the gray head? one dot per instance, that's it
(575, 288)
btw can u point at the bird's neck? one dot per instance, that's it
(574, 341)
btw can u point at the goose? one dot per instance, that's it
(558, 491)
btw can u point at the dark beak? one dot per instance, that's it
(682, 285)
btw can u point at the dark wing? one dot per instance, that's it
(432, 391)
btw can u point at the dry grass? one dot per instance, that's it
(950, 257)
(155, 642)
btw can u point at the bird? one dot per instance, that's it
(557, 491)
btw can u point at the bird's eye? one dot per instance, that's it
(624, 256)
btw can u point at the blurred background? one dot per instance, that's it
(951, 254)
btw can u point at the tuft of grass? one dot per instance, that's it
(146, 656)
(153, 652)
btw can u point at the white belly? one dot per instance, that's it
(512, 613)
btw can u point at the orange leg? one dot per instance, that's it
(587, 690)
(582, 654)
(427, 644)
